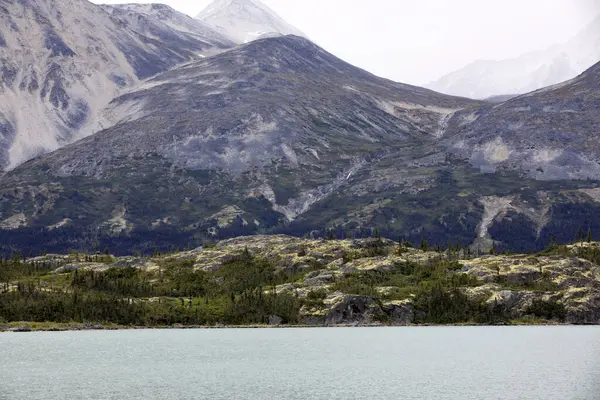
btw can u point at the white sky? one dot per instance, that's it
(417, 41)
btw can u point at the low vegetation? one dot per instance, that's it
(285, 280)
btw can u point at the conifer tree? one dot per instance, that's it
(331, 235)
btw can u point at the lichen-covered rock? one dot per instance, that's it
(369, 264)
(291, 253)
(484, 291)
(515, 303)
(321, 277)
(583, 306)
(350, 309)
(520, 269)
(86, 266)
(51, 260)
(366, 281)
(143, 264)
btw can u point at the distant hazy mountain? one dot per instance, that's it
(529, 72)
(245, 20)
(64, 60)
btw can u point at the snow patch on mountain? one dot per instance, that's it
(246, 20)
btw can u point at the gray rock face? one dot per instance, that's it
(322, 277)
(63, 61)
(172, 28)
(400, 313)
(585, 313)
(514, 302)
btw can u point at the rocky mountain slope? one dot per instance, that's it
(529, 72)
(245, 20)
(172, 28)
(284, 280)
(272, 127)
(280, 136)
(63, 61)
(550, 134)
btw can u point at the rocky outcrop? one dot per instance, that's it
(400, 312)
(350, 309)
(564, 271)
(373, 281)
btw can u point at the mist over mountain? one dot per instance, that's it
(486, 78)
(245, 20)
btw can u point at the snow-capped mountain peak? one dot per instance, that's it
(245, 20)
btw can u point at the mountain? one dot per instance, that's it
(245, 20)
(279, 136)
(63, 61)
(549, 134)
(529, 72)
(247, 140)
(161, 22)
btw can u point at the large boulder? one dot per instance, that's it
(400, 312)
(321, 277)
(583, 306)
(354, 310)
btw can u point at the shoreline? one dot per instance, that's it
(27, 327)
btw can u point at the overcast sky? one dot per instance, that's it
(418, 41)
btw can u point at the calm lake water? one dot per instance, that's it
(463, 363)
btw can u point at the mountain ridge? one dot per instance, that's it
(300, 124)
(550, 133)
(159, 21)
